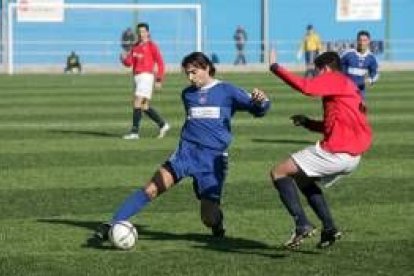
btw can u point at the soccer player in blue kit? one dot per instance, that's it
(360, 64)
(201, 153)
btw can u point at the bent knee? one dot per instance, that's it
(152, 191)
(286, 168)
(277, 172)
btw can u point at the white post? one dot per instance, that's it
(266, 31)
(10, 62)
(199, 34)
(3, 33)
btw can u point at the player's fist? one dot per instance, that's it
(299, 120)
(258, 96)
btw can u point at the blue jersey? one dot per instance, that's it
(358, 66)
(209, 110)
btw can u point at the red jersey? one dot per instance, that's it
(143, 57)
(345, 125)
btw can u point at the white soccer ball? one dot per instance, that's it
(123, 235)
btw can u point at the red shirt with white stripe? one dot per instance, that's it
(345, 126)
(143, 57)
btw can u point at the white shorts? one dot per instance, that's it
(328, 167)
(144, 85)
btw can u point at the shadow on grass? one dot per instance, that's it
(282, 141)
(85, 132)
(204, 241)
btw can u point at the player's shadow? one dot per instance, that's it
(85, 132)
(282, 141)
(205, 241)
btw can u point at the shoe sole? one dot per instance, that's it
(300, 239)
(337, 236)
(130, 138)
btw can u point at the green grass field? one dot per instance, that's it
(64, 169)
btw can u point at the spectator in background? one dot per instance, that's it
(240, 38)
(127, 40)
(73, 64)
(360, 64)
(311, 46)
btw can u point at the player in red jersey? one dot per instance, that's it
(346, 136)
(144, 57)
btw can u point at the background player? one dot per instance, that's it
(201, 153)
(360, 64)
(73, 64)
(346, 136)
(143, 57)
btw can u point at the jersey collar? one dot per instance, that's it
(364, 55)
(210, 85)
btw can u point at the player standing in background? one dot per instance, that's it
(240, 39)
(143, 57)
(202, 150)
(346, 136)
(360, 64)
(73, 64)
(312, 46)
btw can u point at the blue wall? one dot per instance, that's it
(288, 19)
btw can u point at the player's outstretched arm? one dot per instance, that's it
(259, 103)
(256, 103)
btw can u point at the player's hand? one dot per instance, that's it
(258, 96)
(158, 85)
(299, 120)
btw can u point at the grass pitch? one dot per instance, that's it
(64, 169)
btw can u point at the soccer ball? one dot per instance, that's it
(123, 235)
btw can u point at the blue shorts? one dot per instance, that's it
(207, 167)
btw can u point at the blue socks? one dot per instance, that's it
(290, 198)
(317, 201)
(132, 205)
(153, 114)
(136, 118)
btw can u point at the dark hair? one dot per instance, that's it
(330, 59)
(363, 32)
(142, 25)
(199, 60)
(309, 27)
